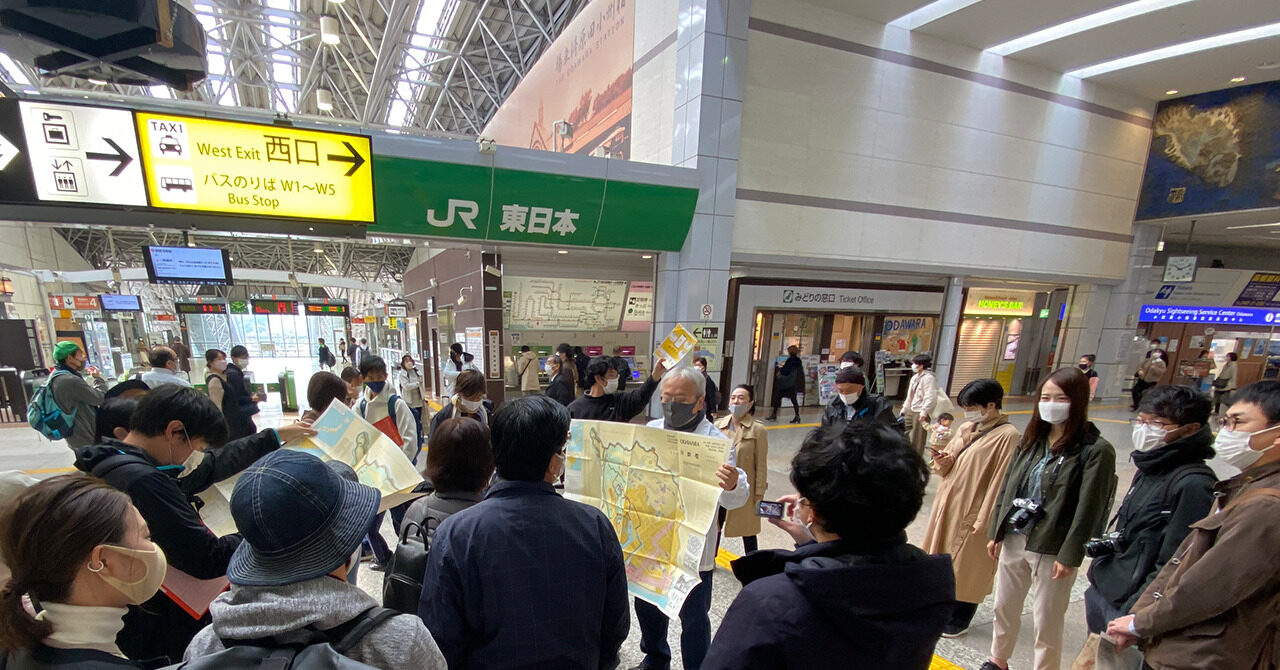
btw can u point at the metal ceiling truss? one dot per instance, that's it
(391, 67)
(106, 249)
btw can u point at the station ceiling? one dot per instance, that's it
(435, 66)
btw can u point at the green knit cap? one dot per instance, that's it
(64, 349)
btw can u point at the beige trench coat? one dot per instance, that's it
(752, 445)
(969, 489)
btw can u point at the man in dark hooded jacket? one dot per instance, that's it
(853, 590)
(1172, 489)
(853, 402)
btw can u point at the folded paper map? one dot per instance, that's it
(676, 346)
(660, 492)
(341, 435)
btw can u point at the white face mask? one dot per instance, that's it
(846, 364)
(191, 463)
(219, 365)
(547, 367)
(1147, 437)
(611, 385)
(1233, 447)
(470, 406)
(739, 411)
(850, 398)
(241, 363)
(974, 415)
(1054, 412)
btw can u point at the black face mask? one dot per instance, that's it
(1084, 366)
(678, 415)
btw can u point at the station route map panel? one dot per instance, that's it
(660, 492)
(534, 303)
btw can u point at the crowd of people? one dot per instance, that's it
(515, 575)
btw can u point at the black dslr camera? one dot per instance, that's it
(1111, 543)
(1026, 512)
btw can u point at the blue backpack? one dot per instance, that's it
(44, 414)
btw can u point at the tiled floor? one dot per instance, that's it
(24, 449)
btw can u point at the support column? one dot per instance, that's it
(1118, 353)
(711, 43)
(952, 314)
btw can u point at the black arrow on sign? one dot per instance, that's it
(123, 159)
(355, 159)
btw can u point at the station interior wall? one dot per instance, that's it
(889, 157)
(1239, 258)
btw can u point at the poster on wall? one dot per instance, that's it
(577, 98)
(474, 345)
(905, 337)
(1214, 152)
(638, 311)
(827, 382)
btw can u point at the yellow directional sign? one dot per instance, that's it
(248, 168)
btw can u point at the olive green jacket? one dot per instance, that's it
(1076, 500)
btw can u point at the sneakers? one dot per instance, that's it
(951, 631)
(991, 666)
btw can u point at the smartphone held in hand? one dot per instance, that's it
(771, 509)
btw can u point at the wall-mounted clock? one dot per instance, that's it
(1180, 269)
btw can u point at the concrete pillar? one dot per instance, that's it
(952, 314)
(711, 43)
(1117, 350)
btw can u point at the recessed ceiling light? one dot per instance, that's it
(1172, 91)
(562, 251)
(1164, 53)
(930, 13)
(646, 256)
(1089, 22)
(1253, 225)
(1237, 80)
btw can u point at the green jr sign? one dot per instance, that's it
(420, 197)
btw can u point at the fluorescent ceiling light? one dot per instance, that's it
(1253, 225)
(1237, 80)
(931, 12)
(14, 70)
(1172, 91)
(1163, 53)
(1082, 24)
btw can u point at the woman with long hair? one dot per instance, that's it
(1054, 498)
(81, 553)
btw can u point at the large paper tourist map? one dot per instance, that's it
(659, 489)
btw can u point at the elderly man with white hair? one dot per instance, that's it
(684, 409)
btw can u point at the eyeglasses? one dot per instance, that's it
(1155, 423)
(1233, 422)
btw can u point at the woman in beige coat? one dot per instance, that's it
(752, 446)
(972, 467)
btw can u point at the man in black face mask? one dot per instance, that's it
(684, 409)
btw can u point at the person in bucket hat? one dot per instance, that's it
(302, 524)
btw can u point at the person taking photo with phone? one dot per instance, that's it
(972, 466)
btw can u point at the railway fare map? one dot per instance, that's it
(534, 303)
(659, 490)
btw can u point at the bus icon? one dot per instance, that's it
(176, 184)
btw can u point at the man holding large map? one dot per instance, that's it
(662, 487)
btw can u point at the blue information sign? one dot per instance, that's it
(1245, 316)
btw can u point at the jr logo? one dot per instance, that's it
(788, 295)
(467, 210)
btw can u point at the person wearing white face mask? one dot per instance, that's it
(922, 398)
(853, 402)
(1172, 489)
(1214, 604)
(972, 466)
(239, 403)
(751, 444)
(161, 464)
(83, 554)
(1054, 498)
(603, 402)
(467, 401)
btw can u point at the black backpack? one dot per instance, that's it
(402, 587)
(306, 649)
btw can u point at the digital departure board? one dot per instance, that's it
(319, 309)
(274, 306)
(200, 307)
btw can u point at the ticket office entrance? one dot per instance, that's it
(821, 337)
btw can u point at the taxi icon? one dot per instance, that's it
(169, 144)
